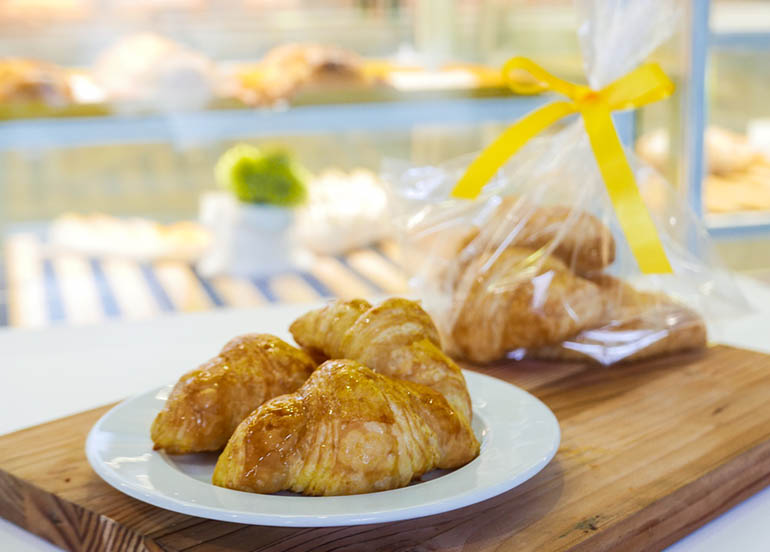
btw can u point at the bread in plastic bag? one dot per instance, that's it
(538, 266)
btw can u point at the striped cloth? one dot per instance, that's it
(42, 289)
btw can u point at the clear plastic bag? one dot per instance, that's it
(537, 266)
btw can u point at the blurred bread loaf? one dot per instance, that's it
(28, 80)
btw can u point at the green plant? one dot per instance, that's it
(271, 177)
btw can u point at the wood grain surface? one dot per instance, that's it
(649, 452)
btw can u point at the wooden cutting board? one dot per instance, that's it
(649, 452)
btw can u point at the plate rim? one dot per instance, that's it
(425, 508)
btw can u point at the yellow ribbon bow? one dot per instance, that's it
(646, 84)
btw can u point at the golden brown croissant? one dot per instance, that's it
(636, 325)
(396, 338)
(287, 69)
(519, 299)
(29, 80)
(347, 430)
(583, 243)
(207, 404)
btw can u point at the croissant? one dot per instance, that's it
(207, 404)
(580, 240)
(397, 338)
(347, 430)
(519, 299)
(636, 325)
(30, 80)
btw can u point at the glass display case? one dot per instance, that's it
(736, 188)
(718, 148)
(113, 115)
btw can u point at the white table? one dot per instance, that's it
(47, 374)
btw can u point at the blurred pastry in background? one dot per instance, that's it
(653, 147)
(134, 238)
(148, 70)
(344, 211)
(739, 178)
(738, 174)
(725, 151)
(314, 62)
(728, 152)
(28, 80)
(286, 69)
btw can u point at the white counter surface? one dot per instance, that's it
(51, 373)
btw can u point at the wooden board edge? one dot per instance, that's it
(65, 524)
(675, 516)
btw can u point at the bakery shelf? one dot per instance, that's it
(223, 124)
(734, 225)
(717, 26)
(230, 124)
(739, 24)
(750, 40)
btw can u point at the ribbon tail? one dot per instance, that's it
(643, 85)
(630, 209)
(489, 161)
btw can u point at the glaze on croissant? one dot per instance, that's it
(207, 404)
(396, 338)
(636, 325)
(518, 299)
(347, 430)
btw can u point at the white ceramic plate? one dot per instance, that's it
(519, 435)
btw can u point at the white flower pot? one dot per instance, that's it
(247, 239)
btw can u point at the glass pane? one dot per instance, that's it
(113, 115)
